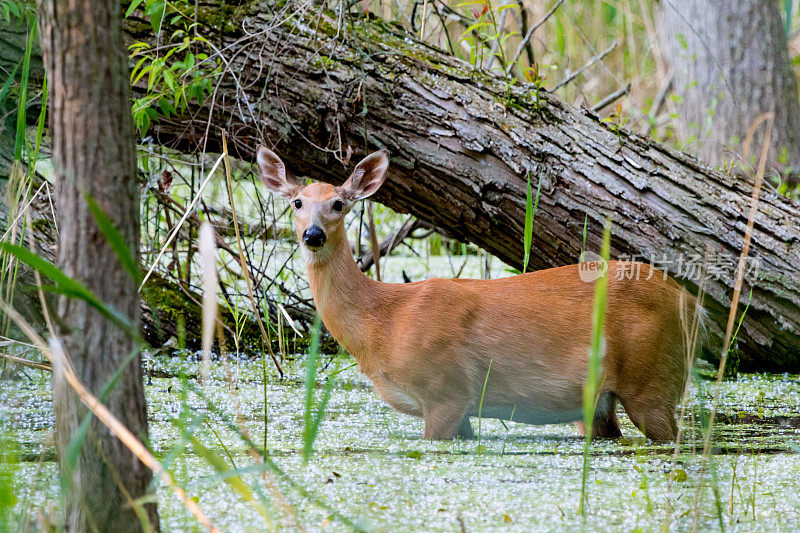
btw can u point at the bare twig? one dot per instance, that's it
(523, 43)
(373, 239)
(592, 61)
(389, 244)
(182, 220)
(26, 362)
(245, 270)
(611, 98)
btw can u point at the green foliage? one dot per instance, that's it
(8, 493)
(616, 121)
(537, 78)
(485, 33)
(182, 74)
(13, 10)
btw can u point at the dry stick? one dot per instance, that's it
(52, 208)
(182, 220)
(592, 61)
(737, 289)
(533, 28)
(373, 240)
(611, 98)
(26, 362)
(63, 368)
(23, 212)
(424, 18)
(245, 270)
(659, 100)
(391, 243)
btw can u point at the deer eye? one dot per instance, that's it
(297, 204)
(338, 206)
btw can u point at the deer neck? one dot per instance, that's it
(346, 299)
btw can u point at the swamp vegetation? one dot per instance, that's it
(371, 465)
(522, 136)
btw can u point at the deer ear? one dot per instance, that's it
(273, 173)
(367, 177)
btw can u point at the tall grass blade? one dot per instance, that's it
(596, 352)
(69, 287)
(270, 463)
(480, 405)
(233, 480)
(62, 369)
(19, 141)
(769, 118)
(6, 88)
(313, 417)
(530, 210)
(114, 239)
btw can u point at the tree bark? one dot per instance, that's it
(93, 154)
(730, 64)
(460, 155)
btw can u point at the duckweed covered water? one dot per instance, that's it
(371, 465)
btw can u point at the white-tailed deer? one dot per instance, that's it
(427, 346)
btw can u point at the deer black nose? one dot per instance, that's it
(314, 236)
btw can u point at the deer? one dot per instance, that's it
(517, 345)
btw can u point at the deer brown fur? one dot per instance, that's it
(427, 346)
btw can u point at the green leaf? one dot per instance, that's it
(8, 83)
(230, 477)
(68, 286)
(313, 418)
(156, 12)
(23, 94)
(132, 7)
(115, 239)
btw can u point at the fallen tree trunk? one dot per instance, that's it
(460, 154)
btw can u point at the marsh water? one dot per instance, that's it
(371, 466)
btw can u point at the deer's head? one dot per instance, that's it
(320, 208)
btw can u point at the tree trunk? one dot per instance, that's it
(730, 63)
(460, 155)
(93, 154)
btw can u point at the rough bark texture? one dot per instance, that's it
(93, 153)
(730, 64)
(459, 158)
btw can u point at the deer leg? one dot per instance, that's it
(465, 429)
(443, 420)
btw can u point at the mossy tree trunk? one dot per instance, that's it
(730, 63)
(94, 154)
(323, 94)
